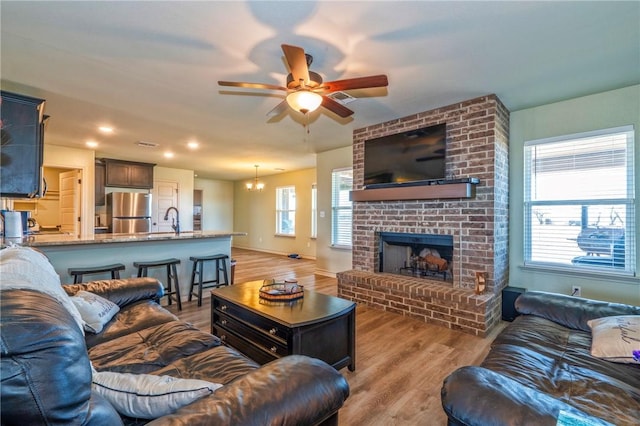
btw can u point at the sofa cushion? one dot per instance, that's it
(131, 318)
(148, 396)
(220, 364)
(616, 338)
(152, 348)
(45, 372)
(569, 311)
(121, 291)
(96, 311)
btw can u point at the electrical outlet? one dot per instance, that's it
(576, 290)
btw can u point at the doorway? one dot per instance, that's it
(47, 211)
(197, 209)
(164, 195)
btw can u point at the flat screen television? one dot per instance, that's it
(412, 156)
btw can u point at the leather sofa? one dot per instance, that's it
(540, 371)
(47, 378)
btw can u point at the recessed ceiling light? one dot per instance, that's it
(92, 144)
(168, 154)
(106, 129)
(193, 145)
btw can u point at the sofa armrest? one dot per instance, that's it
(121, 291)
(477, 396)
(294, 390)
(572, 312)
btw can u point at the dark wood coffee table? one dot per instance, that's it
(317, 325)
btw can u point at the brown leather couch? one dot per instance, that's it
(540, 368)
(46, 375)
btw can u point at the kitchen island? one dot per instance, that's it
(67, 251)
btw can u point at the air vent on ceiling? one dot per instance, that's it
(147, 144)
(341, 97)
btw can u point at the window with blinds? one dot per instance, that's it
(341, 210)
(579, 202)
(286, 210)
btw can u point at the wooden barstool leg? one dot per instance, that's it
(224, 272)
(193, 278)
(169, 286)
(176, 291)
(200, 284)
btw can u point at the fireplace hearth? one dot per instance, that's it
(425, 256)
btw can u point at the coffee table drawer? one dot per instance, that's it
(256, 353)
(268, 343)
(270, 328)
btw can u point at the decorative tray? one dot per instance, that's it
(285, 291)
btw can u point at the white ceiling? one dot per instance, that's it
(150, 69)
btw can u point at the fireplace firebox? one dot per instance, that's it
(428, 256)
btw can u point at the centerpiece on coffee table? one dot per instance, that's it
(283, 291)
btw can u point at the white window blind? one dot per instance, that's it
(341, 210)
(286, 210)
(314, 210)
(579, 202)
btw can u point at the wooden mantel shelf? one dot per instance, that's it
(423, 192)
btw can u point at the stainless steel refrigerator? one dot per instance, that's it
(129, 212)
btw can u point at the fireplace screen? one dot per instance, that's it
(418, 255)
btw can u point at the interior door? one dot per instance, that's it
(70, 201)
(165, 195)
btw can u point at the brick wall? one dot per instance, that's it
(477, 146)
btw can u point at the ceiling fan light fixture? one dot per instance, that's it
(304, 101)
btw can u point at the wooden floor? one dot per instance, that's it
(400, 362)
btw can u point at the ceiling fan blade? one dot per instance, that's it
(336, 107)
(297, 62)
(279, 109)
(355, 83)
(251, 85)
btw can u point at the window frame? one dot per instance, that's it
(530, 204)
(280, 210)
(339, 206)
(314, 211)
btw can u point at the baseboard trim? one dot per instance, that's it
(272, 252)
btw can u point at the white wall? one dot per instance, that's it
(330, 260)
(599, 111)
(217, 204)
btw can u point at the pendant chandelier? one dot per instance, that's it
(255, 185)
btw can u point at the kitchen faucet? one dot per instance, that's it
(175, 223)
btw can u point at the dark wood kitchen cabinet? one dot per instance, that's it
(99, 182)
(128, 174)
(22, 136)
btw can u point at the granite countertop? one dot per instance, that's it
(62, 239)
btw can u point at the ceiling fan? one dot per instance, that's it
(305, 89)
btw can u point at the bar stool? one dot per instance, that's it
(172, 276)
(198, 269)
(77, 273)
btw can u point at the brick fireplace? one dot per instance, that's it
(475, 222)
